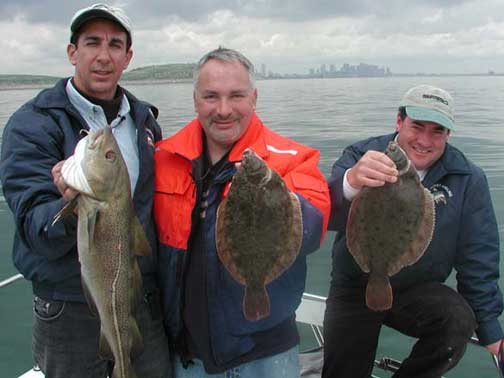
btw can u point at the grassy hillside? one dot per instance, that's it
(156, 72)
(13, 80)
(181, 71)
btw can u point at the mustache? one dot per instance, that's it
(229, 118)
(101, 68)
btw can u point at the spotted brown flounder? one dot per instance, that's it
(390, 227)
(258, 231)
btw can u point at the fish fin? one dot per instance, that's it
(90, 223)
(137, 345)
(297, 224)
(424, 235)
(256, 303)
(223, 248)
(426, 229)
(378, 292)
(136, 285)
(126, 370)
(140, 244)
(104, 351)
(353, 240)
(66, 210)
(89, 298)
(293, 244)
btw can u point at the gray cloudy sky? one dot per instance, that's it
(409, 36)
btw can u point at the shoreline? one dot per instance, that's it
(23, 86)
(13, 87)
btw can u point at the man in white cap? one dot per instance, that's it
(465, 239)
(36, 139)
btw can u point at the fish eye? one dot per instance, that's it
(110, 155)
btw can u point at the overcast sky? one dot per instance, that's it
(289, 36)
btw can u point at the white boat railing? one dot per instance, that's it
(10, 280)
(311, 311)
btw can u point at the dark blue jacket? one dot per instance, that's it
(465, 237)
(41, 133)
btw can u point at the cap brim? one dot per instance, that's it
(92, 15)
(429, 115)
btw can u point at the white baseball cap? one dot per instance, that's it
(428, 103)
(99, 11)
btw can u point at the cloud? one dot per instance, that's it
(197, 10)
(32, 48)
(40, 11)
(289, 36)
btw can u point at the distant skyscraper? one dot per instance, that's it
(263, 69)
(323, 69)
(332, 68)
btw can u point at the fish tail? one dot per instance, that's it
(124, 371)
(378, 292)
(256, 303)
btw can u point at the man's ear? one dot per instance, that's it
(129, 56)
(399, 122)
(254, 98)
(72, 53)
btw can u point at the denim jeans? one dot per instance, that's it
(66, 336)
(282, 365)
(437, 315)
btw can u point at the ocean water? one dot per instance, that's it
(327, 114)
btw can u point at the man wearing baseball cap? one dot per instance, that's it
(465, 238)
(36, 140)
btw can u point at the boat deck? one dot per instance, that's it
(310, 312)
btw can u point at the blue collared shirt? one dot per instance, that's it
(123, 128)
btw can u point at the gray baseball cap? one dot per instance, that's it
(99, 11)
(428, 103)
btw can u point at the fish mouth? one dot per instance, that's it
(94, 138)
(396, 146)
(255, 168)
(100, 137)
(250, 159)
(248, 153)
(392, 146)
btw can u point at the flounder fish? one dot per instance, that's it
(108, 237)
(390, 227)
(258, 231)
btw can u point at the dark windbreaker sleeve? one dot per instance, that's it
(31, 146)
(477, 261)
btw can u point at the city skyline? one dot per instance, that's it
(330, 70)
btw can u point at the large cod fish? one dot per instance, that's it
(390, 227)
(258, 231)
(108, 237)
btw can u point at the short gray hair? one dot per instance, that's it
(225, 55)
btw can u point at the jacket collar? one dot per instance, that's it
(188, 142)
(57, 98)
(453, 161)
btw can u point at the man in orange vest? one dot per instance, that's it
(202, 303)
